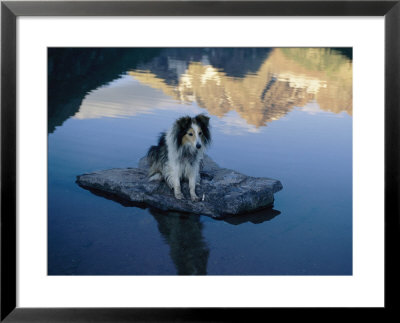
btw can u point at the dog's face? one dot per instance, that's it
(193, 137)
(194, 132)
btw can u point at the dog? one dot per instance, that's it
(179, 154)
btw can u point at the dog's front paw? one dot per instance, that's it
(179, 196)
(194, 198)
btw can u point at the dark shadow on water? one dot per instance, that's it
(183, 232)
(256, 217)
(74, 72)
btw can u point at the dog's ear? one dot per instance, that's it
(183, 123)
(202, 120)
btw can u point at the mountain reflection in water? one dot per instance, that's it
(285, 78)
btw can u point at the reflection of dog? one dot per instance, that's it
(184, 235)
(179, 153)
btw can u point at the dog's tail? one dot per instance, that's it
(157, 156)
(152, 155)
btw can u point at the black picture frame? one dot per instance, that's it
(10, 10)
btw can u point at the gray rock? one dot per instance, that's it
(226, 192)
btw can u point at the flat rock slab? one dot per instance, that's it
(223, 192)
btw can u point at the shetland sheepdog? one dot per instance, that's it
(179, 153)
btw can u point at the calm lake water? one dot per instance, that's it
(284, 113)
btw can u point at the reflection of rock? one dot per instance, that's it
(184, 235)
(256, 217)
(226, 192)
(287, 78)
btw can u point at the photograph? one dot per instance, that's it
(199, 161)
(155, 153)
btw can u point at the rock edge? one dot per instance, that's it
(225, 191)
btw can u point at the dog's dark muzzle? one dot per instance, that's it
(198, 146)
